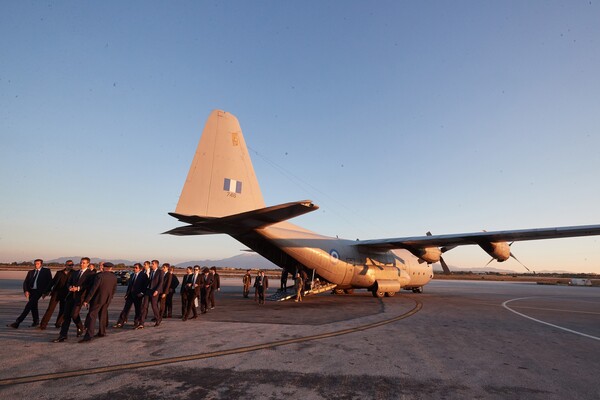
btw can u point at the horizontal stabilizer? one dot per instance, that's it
(243, 222)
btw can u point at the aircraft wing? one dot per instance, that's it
(460, 239)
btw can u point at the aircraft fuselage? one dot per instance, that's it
(341, 262)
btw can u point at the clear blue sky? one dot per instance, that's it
(395, 117)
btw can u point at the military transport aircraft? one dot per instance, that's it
(221, 195)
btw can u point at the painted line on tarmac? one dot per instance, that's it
(544, 322)
(202, 356)
(558, 309)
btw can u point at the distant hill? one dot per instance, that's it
(438, 270)
(245, 260)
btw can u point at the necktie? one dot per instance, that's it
(35, 275)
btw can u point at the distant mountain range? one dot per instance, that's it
(438, 270)
(248, 260)
(245, 260)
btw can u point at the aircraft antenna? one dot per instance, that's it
(309, 188)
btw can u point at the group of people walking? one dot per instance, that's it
(71, 290)
(89, 288)
(198, 288)
(149, 286)
(261, 284)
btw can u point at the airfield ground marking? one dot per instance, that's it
(202, 356)
(557, 309)
(544, 322)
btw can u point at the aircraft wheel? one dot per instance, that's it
(378, 293)
(338, 291)
(349, 291)
(418, 290)
(390, 294)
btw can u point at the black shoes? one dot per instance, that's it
(85, 339)
(117, 325)
(80, 331)
(139, 327)
(59, 339)
(14, 325)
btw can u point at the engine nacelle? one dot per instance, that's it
(428, 254)
(500, 251)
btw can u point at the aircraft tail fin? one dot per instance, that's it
(221, 180)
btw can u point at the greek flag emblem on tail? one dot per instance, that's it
(232, 186)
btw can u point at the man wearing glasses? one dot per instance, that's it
(58, 295)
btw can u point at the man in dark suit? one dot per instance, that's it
(98, 298)
(216, 285)
(193, 293)
(168, 313)
(136, 289)
(166, 287)
(77, 284)
(206, 283)
(187, 294)
(153, 292)
(58, 295)
(261, 283)
(146, 270)
(37, 284)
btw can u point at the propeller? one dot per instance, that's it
(513, 256)
(442, 262)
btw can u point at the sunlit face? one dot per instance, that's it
(154, 265)
(136, 269)
(84, 264)
(38, 264)
(146, 265)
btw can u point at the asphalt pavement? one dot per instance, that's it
(459, 339)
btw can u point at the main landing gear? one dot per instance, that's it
(379, 294)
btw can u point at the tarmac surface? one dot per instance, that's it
(459, 339)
